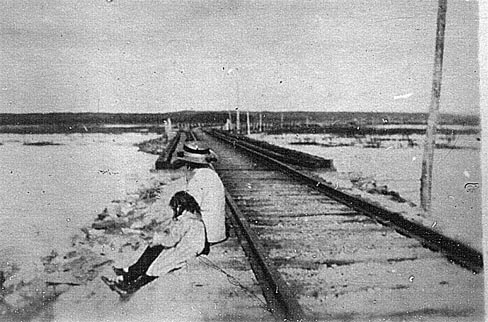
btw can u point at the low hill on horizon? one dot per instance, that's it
(220, 117)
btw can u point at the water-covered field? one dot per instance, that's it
(51, 185)
(456, 179)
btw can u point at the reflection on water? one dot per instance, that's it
(47, 192)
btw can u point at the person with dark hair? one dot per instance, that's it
(168, 251)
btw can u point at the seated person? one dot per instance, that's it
(204, 184)
(182, 240)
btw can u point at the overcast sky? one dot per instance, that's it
(160, 56)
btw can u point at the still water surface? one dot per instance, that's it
(48, 192)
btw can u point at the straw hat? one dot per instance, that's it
(196, 152)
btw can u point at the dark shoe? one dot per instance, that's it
(124, 288)
(119, 288)
(206, 248)
(126, 277)
(114, 286)
(107, 281)
(134, 286)
(119, 271)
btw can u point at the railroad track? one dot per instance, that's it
(332, 257)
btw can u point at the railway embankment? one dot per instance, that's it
(353, 186)
(380, 195)
(331, 249)
(66, 286)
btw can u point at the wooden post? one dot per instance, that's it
(428, 158)
(230, 121)
(238, 121)
(260, 122)
(248, 124)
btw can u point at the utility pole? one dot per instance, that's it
(238, 121)
(260, 122)
(428, 158)
(248, 124)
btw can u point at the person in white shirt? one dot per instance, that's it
(204, 184)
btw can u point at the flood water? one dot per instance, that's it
(456, 186)
(48, 192)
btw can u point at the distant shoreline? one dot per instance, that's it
(273, 122)
(78, 128)
(220, 117)
(344, 130)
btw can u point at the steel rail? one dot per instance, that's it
(192, 135)
(456, 251)
(286, 155)
(280, 299)
(164, 160)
